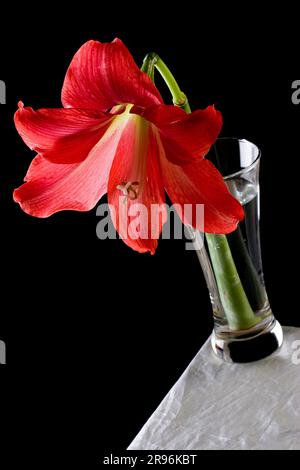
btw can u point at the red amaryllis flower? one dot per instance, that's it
(114, 135)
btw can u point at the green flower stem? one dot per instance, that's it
(251, 281)
(152, 61)
(149, 65)
(235, 303)
(238, 311)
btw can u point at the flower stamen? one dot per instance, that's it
(129, 190)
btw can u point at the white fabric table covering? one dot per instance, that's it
(229, 406)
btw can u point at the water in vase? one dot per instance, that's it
(246, 252)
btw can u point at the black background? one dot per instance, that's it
(97, 334)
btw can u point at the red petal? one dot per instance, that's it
(136, 160)
(185, 137)
(201, 183)
(52, 187)
(161, 114)
(61, 135)
(102, 75)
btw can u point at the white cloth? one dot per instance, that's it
(229, 406)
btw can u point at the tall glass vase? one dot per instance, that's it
(245, 329)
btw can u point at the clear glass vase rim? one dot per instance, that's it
(247, 168)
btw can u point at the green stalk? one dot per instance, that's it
(236, 306)
(250, 279)
(151, 61)
(238, 311)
